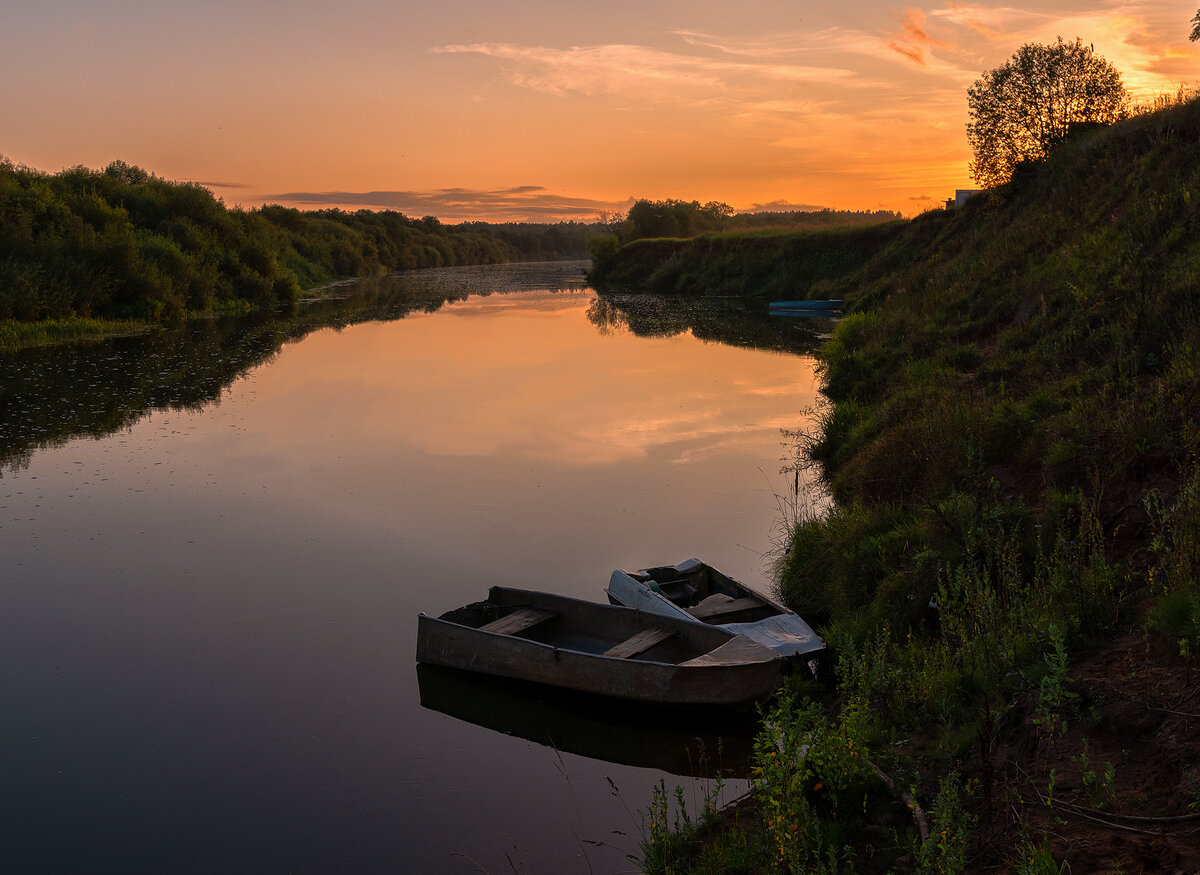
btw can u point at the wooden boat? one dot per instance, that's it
(832, 304)
(696, 592)
(600, 649)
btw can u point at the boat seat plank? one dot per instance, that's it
(518, 621)
(639, 643)
(706, 612)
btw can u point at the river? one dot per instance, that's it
(214, 543)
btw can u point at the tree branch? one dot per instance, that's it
(908, 799)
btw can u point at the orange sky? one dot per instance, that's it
(539, 109)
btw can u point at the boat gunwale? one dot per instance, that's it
(709, 684)
(686, 628)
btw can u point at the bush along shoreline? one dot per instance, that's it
(1008, 576)
(83, 248)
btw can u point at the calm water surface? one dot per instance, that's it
(215, 545)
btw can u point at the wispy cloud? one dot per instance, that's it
(829, 42)
(915, 30)
(856, 54)
(637, 71)
(992, 23)
(1144, 39)
(773, 46)
(916, 54)
(226, 185)
(781, 206)
(914, 40)
(518, 204)
(832, 42)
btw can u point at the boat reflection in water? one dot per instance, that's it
(695, 742)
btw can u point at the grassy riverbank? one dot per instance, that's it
(81, 247)
(1008, 579)
(768, 264)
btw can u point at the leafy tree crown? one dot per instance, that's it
(1024, 108)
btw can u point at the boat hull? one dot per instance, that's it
(727, 671)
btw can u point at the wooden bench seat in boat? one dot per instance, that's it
(704, 611)
(639, 643)
(518, 621)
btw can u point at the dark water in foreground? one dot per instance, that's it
(214, 544)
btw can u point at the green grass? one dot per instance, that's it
(16, 335)
(1011, 443)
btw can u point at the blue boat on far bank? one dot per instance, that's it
(835, 304)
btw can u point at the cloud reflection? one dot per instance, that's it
(535, 380)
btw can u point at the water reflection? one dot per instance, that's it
(730, 321)
(697, 743)
(54, 394)
(208, 606)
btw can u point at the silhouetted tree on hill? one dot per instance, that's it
(1024, 108)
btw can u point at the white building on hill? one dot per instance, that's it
(960, 197)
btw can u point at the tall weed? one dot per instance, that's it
(1175, 552)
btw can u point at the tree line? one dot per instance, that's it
(672, 219)
(679, 218)
(123, 243)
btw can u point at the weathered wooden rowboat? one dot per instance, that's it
(696, 592)
(600, 649)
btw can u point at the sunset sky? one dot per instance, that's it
(541, 109)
